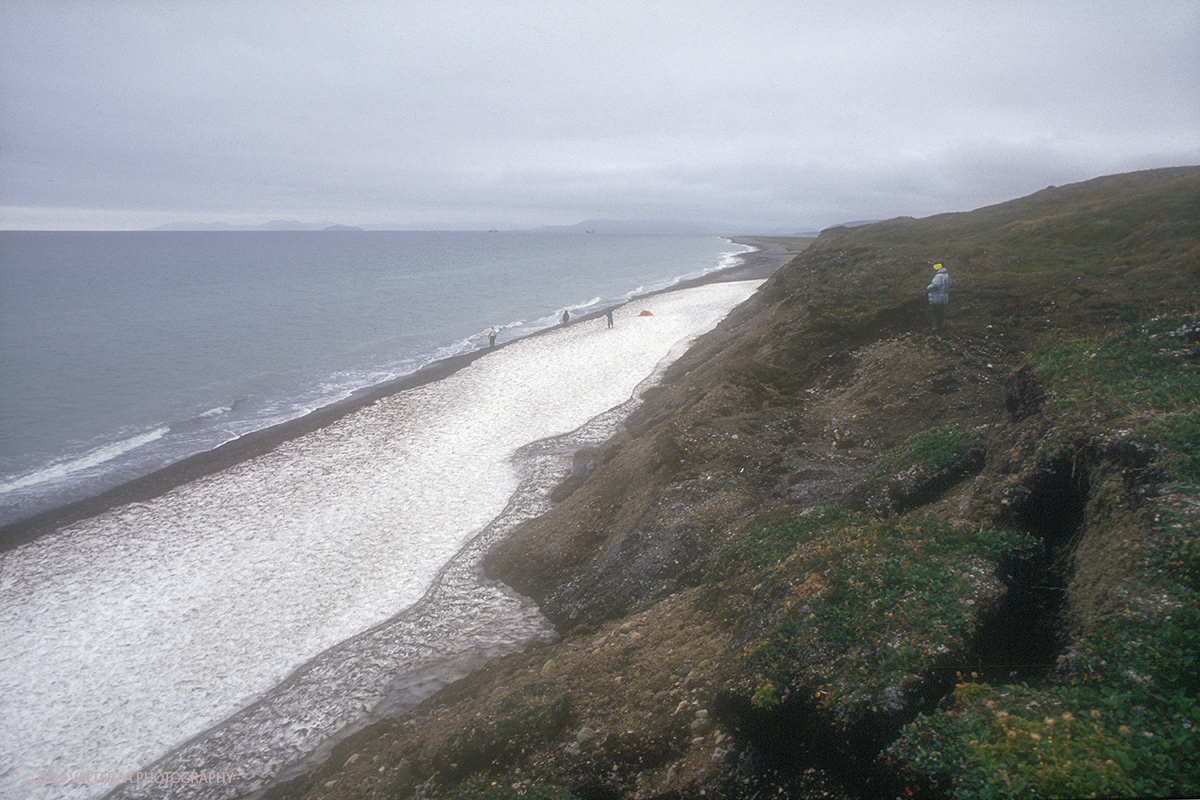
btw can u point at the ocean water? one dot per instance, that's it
(238, 622)
(121, 353)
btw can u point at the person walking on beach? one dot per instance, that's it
(566, 317)
(938, 291)
(608, 316)
(492, 337)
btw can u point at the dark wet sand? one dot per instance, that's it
(759, 264)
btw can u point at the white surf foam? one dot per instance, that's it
(126, 634)
(90, 460)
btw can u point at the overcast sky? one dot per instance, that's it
(753, 114)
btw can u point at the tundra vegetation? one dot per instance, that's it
(835, 555)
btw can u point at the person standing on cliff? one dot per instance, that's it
(938, 291)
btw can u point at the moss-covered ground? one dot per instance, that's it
(956, 566)
(1120, 714)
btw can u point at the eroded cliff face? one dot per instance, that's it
(777, 407)
(833, 553)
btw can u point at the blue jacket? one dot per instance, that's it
(939, 287)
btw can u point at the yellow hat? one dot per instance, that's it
(937, 266)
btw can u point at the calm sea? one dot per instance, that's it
(121, 353)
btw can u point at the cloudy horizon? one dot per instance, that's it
(751, 116)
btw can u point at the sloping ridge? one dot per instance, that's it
(832, 552)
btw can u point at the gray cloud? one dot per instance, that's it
(507, 114)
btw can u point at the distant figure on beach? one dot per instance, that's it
(566, 317)
(938, 291)
(608, 316)
(492, 337)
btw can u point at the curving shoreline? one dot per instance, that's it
(836, 555)
(300, 548)
(755, 264)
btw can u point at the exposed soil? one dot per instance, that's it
(702, 455)
(789, 403)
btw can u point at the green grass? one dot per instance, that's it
(1145, 369)
(1068, 258)
(1123, 721)
(931, 451)
(1119, 718)
(904, 475)
(1137, 218)
(858, 603)
(1010, 742)
(775, 534)
(1180, 434)
(1177, 555)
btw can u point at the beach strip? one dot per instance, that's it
(160, 617)
(772, 253)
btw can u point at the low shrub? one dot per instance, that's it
(931, 451)
(774, 534)
(854, 605)
(1121, 719)
(1150, 368)
(1012, 741)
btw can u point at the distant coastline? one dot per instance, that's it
(592, 226)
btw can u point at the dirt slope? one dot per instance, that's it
(834, 554)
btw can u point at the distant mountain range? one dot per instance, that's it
(607, 226)
(588, 226)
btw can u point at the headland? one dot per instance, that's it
(837, 554)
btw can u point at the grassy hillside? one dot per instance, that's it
(835, 555)
(1115, 249)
